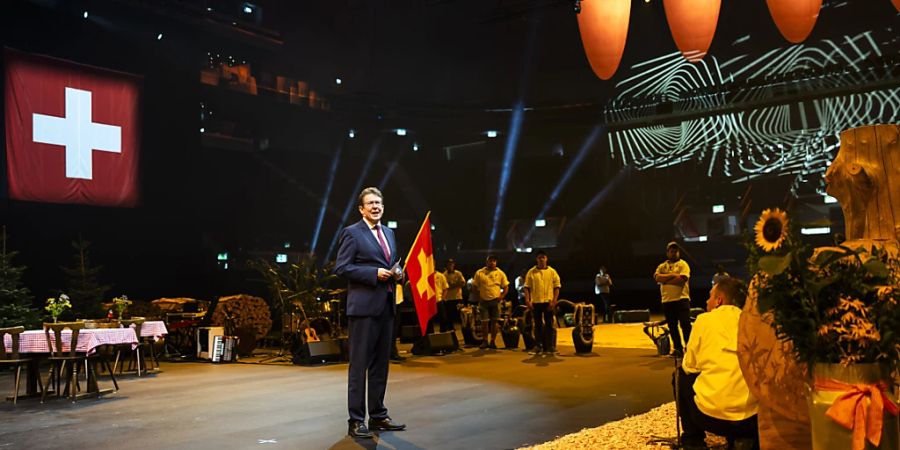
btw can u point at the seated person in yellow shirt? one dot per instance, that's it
(712, 394)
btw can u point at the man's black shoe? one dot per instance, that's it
(492, 346)
(385, 424)
(359, 431)
(483, 345)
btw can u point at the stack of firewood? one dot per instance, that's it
(167, 305)
(244, 311)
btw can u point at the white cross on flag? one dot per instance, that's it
(72, 132)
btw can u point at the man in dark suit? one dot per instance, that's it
(366, 254)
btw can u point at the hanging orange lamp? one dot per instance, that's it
(693, 25)
(795, 18)
(896, 4)
(604, 28)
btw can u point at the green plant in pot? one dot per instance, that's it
(840, 309)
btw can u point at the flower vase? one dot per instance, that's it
(833, 381)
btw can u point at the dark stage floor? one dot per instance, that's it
(472, 400)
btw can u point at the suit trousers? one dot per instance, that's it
(370, 348)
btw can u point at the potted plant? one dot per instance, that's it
(57, 305)
(840, 309)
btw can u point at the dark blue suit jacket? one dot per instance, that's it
(358, 259)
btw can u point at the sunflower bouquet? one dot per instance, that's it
(837, 304)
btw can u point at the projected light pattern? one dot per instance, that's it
(780, 113)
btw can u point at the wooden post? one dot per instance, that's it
(865, 178)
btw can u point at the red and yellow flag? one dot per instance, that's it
(420, 270)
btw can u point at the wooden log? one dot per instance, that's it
(865, 178)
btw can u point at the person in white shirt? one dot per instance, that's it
(492, 286)
(602, 283)
(542, 286)
(673, 276)
(712, 394)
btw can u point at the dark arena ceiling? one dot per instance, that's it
(505, 123)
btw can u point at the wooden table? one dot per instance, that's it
(155, 329)
(34, 343)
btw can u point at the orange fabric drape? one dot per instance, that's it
(693, 25)
(604, 28)
(795, 19)
(860, 409)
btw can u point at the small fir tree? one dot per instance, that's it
(15, 299)
(83, 288)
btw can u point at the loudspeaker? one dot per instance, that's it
(318, 352)
(206, 341)
(510, 339)
(410, 333)
(633, 315)
(432, 344)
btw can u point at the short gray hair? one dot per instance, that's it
(367, 191)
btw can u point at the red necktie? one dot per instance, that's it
(381, 241)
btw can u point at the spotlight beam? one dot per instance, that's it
(315, 196)
(604, 193)
(567, 175)
(515, 128)
(392, 166)
(509, 154)
(331, 174)
(353, 195)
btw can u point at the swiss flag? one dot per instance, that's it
(420, 269)
(72, 132)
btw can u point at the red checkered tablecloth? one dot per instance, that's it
(155, 329)
(35, 341)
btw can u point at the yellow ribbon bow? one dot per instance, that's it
(851, 412)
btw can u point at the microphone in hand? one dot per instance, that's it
(397, 271)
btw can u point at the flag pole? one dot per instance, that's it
(421, 227)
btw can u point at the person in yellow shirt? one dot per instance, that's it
(673, 276)
(712, 393)
(455, 282)
(492, 286)
(541, 293)
(443, 315)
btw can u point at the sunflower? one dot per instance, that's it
(771, 229)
